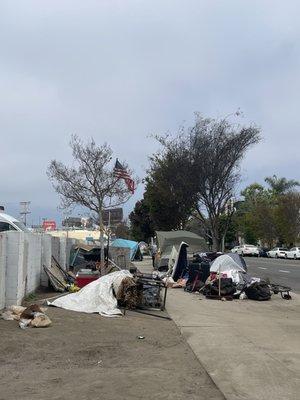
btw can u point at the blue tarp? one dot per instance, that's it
(133, 246)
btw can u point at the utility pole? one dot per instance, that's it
(24, 210)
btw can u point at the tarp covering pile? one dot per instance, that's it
(226, 262)
(96, 297)
(231, 265)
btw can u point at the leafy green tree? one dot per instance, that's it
(264, 220)
(141, 225)
(122, 230)
(253, 194)
(256, 215)
(281, 185)
(170, 192)
(287, 217)
(270, 214)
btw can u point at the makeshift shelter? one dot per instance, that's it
(180, 264)
(135, 252)
(226, 262)
(85, 256)
(169, 243)
(232, 266)
(58, 277)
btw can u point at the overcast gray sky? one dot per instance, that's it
(121, 70)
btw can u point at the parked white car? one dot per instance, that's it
(278, 252)
(294, 253)
(234, 249)
(246, 250)
(9, 223)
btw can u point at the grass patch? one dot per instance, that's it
(31, 297)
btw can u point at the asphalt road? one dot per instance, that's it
(281, 271)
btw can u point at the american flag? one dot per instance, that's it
(121, 173)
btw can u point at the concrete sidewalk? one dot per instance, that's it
(250, 349)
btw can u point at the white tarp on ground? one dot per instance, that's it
(96, 297)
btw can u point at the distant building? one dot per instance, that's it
(72, 222)
(77, 222)
(49, 225)
(112, 216)
(80, 234)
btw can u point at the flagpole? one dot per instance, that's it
(108, 231)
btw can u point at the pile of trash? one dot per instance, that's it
(60, 279)
(102, 295)
(225, 278)
(33, 316)
(110, 293)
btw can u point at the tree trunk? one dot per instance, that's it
(223, 243)
(216, 242)
(215, 233)
(216, 239)
(101, 242)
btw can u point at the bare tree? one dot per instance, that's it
(215, 149)
(90, 182)
(218, 148)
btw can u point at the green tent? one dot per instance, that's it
(167, 240)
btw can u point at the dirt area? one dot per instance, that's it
(84, 357)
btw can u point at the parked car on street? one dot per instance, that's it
(278, 252)
(9, 223)
(263, 251)
(294, 253)
(234, 249)
(246, 250)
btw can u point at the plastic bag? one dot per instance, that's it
(7, 315)
(40, 321)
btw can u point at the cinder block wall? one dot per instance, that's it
(22, 256)
(62, 252)
(34, 261)
(46, 258)
(16, 267)
(55, 250)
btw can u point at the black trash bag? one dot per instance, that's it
(197, 275)
(258, 291)
(194, 286)
(227, 288)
